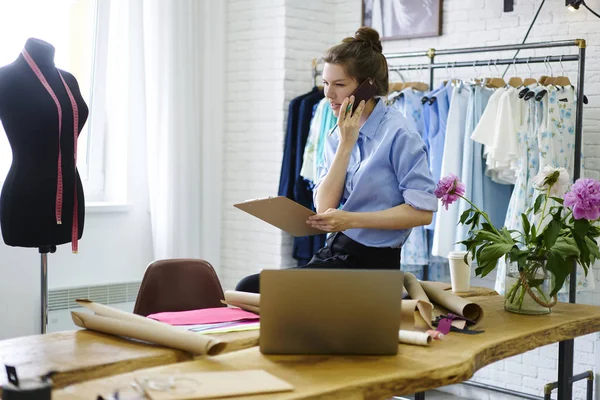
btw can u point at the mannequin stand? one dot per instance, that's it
(44, 250)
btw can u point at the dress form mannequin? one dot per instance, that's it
(33, 211)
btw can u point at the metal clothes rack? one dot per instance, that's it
(566, 348)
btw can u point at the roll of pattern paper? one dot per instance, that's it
(413, 337)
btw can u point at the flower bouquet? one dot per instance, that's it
(557, 232)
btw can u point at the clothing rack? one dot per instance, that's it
(566, 348)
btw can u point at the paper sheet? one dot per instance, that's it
(121, 323)
(204, 316)
(206, 385)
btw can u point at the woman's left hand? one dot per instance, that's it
(332, 220)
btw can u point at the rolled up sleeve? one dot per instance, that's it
(411, 163)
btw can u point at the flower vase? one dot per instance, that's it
(527, 290)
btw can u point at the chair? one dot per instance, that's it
(178, 285)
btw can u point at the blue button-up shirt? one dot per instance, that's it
(388, 167)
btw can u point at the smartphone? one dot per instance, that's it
(364, 91)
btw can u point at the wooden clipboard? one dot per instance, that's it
(282, 213)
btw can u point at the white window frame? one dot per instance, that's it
(92, 173)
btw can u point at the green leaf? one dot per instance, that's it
(593, 247)
(551, 233)
(560, 267)
(488, 256)
(558, 200)
(526, 226)
(581, 227)
(506, 235)
(533, 232)
(481, 235)
(565, 247)
(538, 203)
(464, 216)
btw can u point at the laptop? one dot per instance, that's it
(330, 311)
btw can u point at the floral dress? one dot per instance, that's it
(523, 194)
(557, 147)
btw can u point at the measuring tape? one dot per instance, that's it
(59, 182)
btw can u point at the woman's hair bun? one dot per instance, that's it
(369, 36)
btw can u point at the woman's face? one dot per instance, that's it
(337, 86)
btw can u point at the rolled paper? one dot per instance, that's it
(120, 323)
(413, 287)
(234, 296)
(453, 303)
(413, 337)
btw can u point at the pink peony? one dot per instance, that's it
(449, 189)
(584, 199)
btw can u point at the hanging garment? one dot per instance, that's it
(445, 223)
(291, 183)
(287, 179)
(322, 122)
(523, 195)
(414, 250)
(480, 189)
(305, 247)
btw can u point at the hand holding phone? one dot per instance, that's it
(365, 91)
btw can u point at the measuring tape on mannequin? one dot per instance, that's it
(59, 182)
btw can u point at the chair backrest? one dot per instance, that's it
(178, 285)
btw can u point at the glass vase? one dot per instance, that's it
(527, 291)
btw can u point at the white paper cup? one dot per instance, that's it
(460, 272)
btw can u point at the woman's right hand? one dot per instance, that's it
(348, 122)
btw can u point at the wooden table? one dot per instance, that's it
(414, 369)
(82, 355)
(78, 356)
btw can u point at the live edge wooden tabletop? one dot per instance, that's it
(414, 369)
(78, 356)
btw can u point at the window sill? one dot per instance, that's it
(101, 207)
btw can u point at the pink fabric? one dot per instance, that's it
(205, 316)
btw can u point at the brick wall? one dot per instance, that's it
(270, 45)
(253, 138)
(482, 22)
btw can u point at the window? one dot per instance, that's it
(70, 26)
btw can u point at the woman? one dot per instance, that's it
(374, 184)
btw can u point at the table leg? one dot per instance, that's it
(420, 396)
(565, 369)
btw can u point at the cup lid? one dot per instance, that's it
(457, 254)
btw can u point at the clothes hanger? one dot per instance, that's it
(475, 80)
(515, 81)
(397, 86)
(420, 85)
(543, 78)
(494, 82)
(531, 80)
(562, 80)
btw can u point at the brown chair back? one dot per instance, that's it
(178, 285)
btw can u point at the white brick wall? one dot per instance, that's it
(270, 45)
(269, 48)
(483, 22)
(253, 139)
